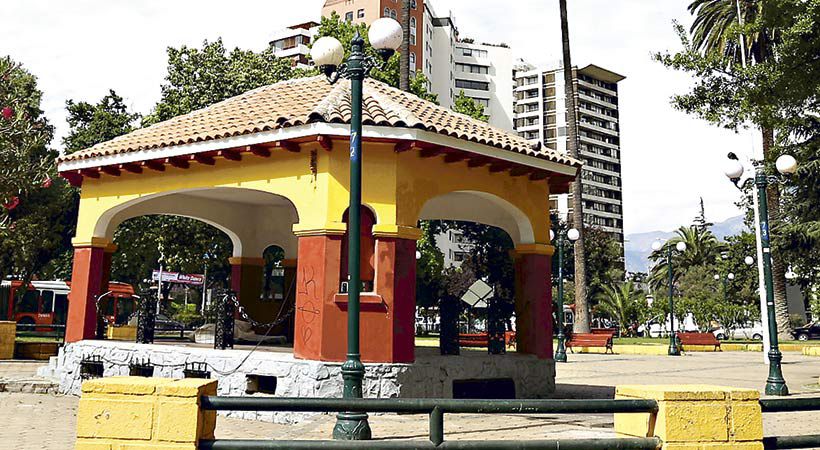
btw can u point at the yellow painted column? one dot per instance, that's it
(695, 417)
(8, 333)
(120, 413)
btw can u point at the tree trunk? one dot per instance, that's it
(784, 327)
(404, 61)
(581, 324)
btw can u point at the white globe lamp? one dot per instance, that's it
(786, 164)
(327, 52)
(749, 260)
(573, 234)
(733, 169)
(681, 246)
(385, 36)
(656, 245)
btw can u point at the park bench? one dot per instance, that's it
(482, 339)
(609, 331)
(603, 340)
(698, 339)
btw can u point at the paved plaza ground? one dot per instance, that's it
(32, 421)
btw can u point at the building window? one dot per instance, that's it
(360, 14)
(412, 31)
(413, 4)
(465, 51)
(470, 84)
(349, 16)
(393, 14)
(485, 102)
(412, 61)
(472, 68)
(386, 12)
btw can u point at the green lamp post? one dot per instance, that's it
(681, 247)
(786, 165)
(725, 280)
(572, 234)
(385, 36)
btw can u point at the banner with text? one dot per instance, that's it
(181, 278)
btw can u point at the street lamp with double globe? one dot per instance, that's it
(385, 36)
(572, 234)
(681, 247)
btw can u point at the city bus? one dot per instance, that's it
(46, 302)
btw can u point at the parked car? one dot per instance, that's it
(655, 329)
(806, 332)
(165, 325)
(746, 331)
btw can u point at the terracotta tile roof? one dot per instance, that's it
(310, 100)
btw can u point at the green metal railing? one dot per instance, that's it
(435, 408)
(770, 405)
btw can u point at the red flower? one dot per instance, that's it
(7, 112)
(13, 203)
(48, 182)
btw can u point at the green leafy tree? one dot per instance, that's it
(91, 124)
(390, 73)
(469, 107)
(35, 206)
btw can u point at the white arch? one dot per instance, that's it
(481, 207)
(252, 219)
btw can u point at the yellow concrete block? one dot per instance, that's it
(125, 385)
(811, 350)
(155, 446)
(93, 444)
(732, 446)
(118, 419)
(745, 421)
(692, 421)
(634, 425)
(178, 421)
(673, 391)
(188, 387)
(682, 447)
(122, 333)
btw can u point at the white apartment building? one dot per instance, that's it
(540, 116)
(294, 43)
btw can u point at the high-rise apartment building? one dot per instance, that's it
(540, 116)
(294, 43)
(451, 64)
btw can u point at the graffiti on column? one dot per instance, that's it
(309, 306)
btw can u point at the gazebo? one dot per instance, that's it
(270, 167)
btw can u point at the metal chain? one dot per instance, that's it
(254, 323)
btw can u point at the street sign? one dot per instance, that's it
(181, 278)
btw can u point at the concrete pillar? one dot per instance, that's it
(695, 417)
(89, 279)
(246, 280)
(533, 299)
(137, 412)
(387, 313)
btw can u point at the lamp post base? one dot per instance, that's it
(775, 383)
(352, 427)
(561, 352)
(673, 350)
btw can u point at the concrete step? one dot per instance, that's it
(34, 385)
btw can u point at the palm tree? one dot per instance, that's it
(404, 57)
(713, 31)
(620, 302)
(581, 301)
(702, 249)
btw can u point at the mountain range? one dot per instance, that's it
(638, 246)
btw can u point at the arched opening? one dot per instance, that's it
(368, 250)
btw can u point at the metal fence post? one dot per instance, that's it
(146, 320)
(437, 426)
(224, 326)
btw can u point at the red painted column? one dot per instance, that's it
(388, 334)
(533, 300)
(89, 278)
(320, 324)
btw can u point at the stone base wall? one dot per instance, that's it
(431, 376)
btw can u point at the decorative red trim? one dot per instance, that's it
(203, 159)
(499, 167)
(178, 162)
(455, 156)
(477, 162)
(230, 154)
(430, 152)
(90, 173)
(287, 145)
(325, 142)
(111, 170)
(403, 146)
(519, 171)
(260, 151)
(130, 167)
(73, 178)
(154, 164)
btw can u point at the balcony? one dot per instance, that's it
(595, 87)
(598, 129)
(598, 101)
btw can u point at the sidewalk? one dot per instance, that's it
(21, 376)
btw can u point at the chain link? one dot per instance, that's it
(256, 324)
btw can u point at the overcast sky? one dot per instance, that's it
(79, 49)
